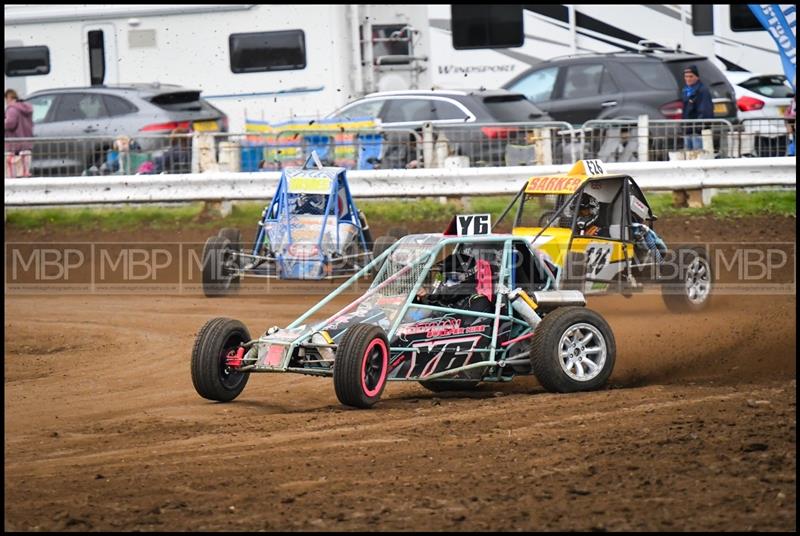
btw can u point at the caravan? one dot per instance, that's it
(270, 62)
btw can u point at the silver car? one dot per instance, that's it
(136, 118)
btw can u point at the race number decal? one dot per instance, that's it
(473, 224)
(597, 257)
(594, 167)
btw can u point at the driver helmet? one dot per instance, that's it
(588, 210)
(311, 203)
(458, 275)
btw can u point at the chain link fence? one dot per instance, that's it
(431, 146)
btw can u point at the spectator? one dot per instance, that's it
(178, 157)
(18, 124)
(696, 105)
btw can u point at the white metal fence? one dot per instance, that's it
(475, 145)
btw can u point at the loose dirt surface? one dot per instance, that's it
(104, 431)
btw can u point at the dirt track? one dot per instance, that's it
(103, 429)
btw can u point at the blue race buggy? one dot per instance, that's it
(446, 311)
(310, 230)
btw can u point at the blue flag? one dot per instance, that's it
(780, 20)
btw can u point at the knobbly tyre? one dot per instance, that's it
(447, 310)
(310, 230)
(599, 229)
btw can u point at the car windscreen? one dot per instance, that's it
(511, 108)
(182, 101)
(769, 86)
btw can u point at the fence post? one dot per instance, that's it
(427, 145)
(547, 146)
(643, 134)
(195, 152)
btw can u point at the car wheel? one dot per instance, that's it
(690, 289)
(211, 376)
(361, 366)
(233, 235)
(573, 349)
(220, 276)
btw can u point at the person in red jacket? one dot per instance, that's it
(18, 124)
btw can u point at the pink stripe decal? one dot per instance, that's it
(384, 367)
(520, 338)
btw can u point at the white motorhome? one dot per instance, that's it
(268, 62)
(728, 34)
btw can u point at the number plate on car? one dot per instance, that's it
(205, 126)
(721, 108)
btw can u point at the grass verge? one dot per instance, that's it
(389, 212)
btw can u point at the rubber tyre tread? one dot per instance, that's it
(544, 350)
(347, 366)
(234, 235)
(679, 303)
(204, 365)
(212, 266)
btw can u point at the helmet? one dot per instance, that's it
(588, 210)
(310, 203)
(458, 278)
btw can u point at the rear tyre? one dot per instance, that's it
(220, 277)
(690, 290)
(211, 377)
(573, 349)
(361, 366)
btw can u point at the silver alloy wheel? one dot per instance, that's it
(582, 352)
(698, 280)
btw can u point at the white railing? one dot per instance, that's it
(687, 174)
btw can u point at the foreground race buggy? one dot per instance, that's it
(448, 311)
(599, 229)
(310, 230)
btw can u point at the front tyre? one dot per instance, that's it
(573, 349)
(220, 275)
(361, 366)
(211, 376)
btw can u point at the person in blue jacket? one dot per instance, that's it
(697, 104)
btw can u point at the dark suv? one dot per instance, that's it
(471, 120)
(94, 117)
(621, 85)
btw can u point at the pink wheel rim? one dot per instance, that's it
(384, 362)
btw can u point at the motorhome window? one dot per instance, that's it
(511, 108)
(118, 106)
(538, 86)
(97, 57)
(76, 106)
(703, 19)
(743, 20)
(27, 61)
(653, 74)
(487, 26)
(267, 51)
(400, 44)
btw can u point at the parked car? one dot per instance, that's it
(97, 116)
(761, 100)
(623, 86)
(472, 121)
(620, 85)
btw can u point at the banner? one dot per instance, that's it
(780, 20)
